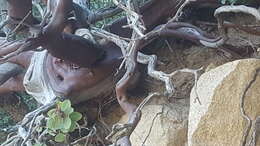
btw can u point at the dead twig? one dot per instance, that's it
(86, 138)
(12, 33)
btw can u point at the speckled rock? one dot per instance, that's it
(162, 124)
(229, 105)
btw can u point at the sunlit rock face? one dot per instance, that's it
(229, 105)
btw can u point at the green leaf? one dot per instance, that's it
(65, 130)
(60, 137)
(75, 116)
(50, 123)
(58, 122)
(55, 123)
(65, 105)
(51, 113)
(66, 123)
(73, 126)
(68, 111)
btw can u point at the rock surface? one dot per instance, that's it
(162, 124)
(230, 105)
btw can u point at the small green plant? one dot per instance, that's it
(62, 120)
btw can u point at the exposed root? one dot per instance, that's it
(146, 59)
(214, 44)
(159, 75)
(125, 130)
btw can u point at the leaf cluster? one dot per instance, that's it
(62, 120)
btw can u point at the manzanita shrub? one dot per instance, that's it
(62, 120)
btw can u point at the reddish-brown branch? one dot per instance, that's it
(7, 47)
(81, 51)
(62, 45)
(188, 32)
(125, 82)
(59, 18)
(17, 48)
(68, 46)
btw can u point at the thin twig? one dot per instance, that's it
(10, 140)
(11, 34)
(145, 101)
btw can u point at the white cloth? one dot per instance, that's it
(36, 81)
